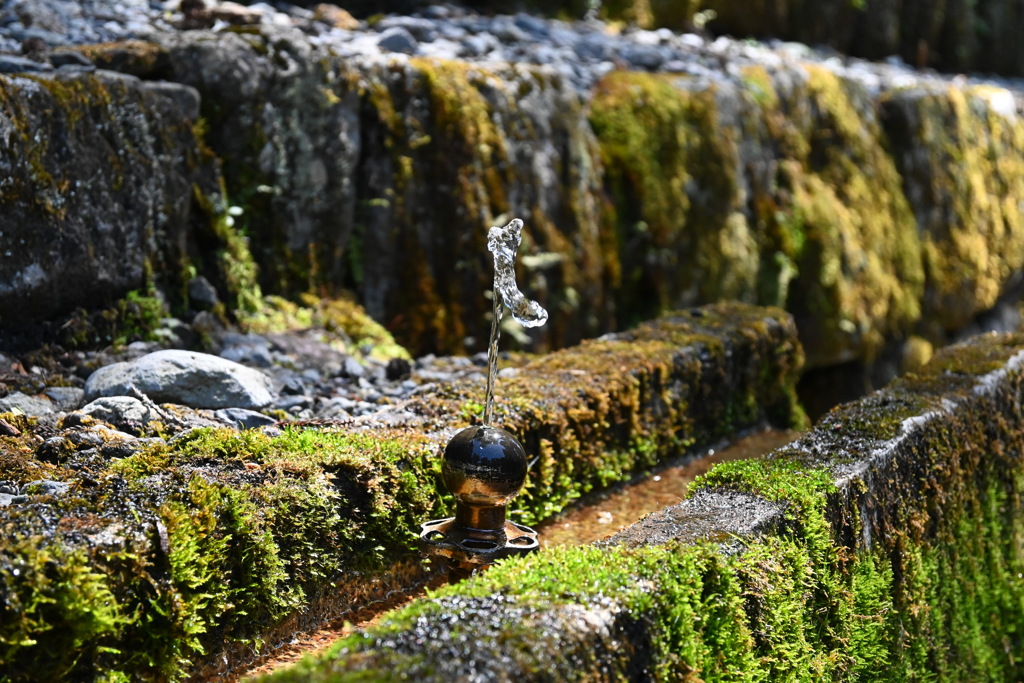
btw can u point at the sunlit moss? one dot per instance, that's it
(357, 330)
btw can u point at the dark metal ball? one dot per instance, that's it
(484, 466)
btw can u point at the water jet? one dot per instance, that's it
(485, 466)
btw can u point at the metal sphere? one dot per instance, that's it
(484, 466)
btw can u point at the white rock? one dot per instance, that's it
(198, 380)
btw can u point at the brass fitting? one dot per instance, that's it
(484, 467)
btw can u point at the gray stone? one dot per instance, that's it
(64, 58)
(420, 29)
(250, 349)
(508, 31)
(244, 419)
(353, 368)
(532, 24)
(6, 499)
(293, 404)
(121, 198)
(643, 56)
(29, 405)
(175, 333)
(119, 409)
(480, 44)
(397, 40)
(198, 380)
(66, 398)
(201, 294)
(11, 64)
(45, 487)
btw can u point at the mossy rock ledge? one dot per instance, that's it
(860, 207)
(882, 545)
(156, 564)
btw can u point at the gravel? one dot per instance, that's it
(581, 51)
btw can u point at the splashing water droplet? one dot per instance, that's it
(504, 243)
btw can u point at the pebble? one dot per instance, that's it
(244, 419)
(119, 410)
(397, 39)
(66, 398)
(19, 402)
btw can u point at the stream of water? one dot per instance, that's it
(504, 243)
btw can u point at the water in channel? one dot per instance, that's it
(621, 506)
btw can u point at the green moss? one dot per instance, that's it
(237, 268)
(660, 137)
(857, 250)
(210, 541)
(355, 329)
(54, 599)
(140, 316)
(830, 237)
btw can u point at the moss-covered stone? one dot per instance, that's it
(356, 331)
(451, 149)
(892, 554)
(779, 190)
(97, 183)
(201, 547)
(957, 150)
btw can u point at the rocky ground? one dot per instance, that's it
(582, 51)
(150, 391)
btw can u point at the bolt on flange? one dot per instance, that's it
(484, 467)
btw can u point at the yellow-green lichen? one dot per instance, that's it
(830, 235)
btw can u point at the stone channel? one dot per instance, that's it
(241, 263)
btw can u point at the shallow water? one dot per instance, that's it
(620, 507)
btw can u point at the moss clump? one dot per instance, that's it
(904, 565)
(660, 140)
(181, 551)
(860, 279)
(356, 329)
(133, 318)
(234, 264)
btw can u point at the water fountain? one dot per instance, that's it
(485, 466)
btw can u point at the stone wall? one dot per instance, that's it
(99, 177)
(882, 545)
(854, 203)
(855, 207)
